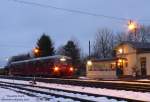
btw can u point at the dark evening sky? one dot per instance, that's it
(21, 24)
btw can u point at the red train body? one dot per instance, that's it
(44, 66)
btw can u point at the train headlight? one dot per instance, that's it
(71, 68)
(56, 69)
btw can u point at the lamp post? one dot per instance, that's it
(89, 49)
(132, 27)
(36, 51)
(89, 61)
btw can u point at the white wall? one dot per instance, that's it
(130, 54)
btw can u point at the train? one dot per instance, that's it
(57, 65)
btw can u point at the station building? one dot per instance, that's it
(131, 59)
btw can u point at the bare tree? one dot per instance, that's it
(60, 50)
(142, 34)
(103, 44)
(120, 37)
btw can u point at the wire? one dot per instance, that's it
(69, 10)
(76, 11)
(10, 45)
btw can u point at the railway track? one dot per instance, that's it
(31, 93)
(74, 95)
(135, 86)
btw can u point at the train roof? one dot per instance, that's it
(42, 58)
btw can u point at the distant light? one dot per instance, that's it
(63, 59)
(36, 50)
(120, 60)
(89, 63)
(118, 64)
(132, 26)
(120, 50)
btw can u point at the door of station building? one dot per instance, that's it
(143, 66)
(119, 68)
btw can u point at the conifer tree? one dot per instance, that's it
(45, 46)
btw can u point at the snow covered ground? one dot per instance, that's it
(118, 93)
(108, 81)
(7, 95)
(118, 81)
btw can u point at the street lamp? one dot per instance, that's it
(132, 26)
(36, 51)
(89, 63)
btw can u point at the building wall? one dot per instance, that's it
(133, 63)
(147, 56)
(130, 54)
(101, 70)
(102, 74)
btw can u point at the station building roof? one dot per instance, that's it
(139, 46)
(104, 59)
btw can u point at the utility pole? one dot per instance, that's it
(89, 50)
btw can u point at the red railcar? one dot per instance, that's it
(57, 65)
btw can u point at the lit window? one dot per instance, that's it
(120, 60)
(120, 50)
